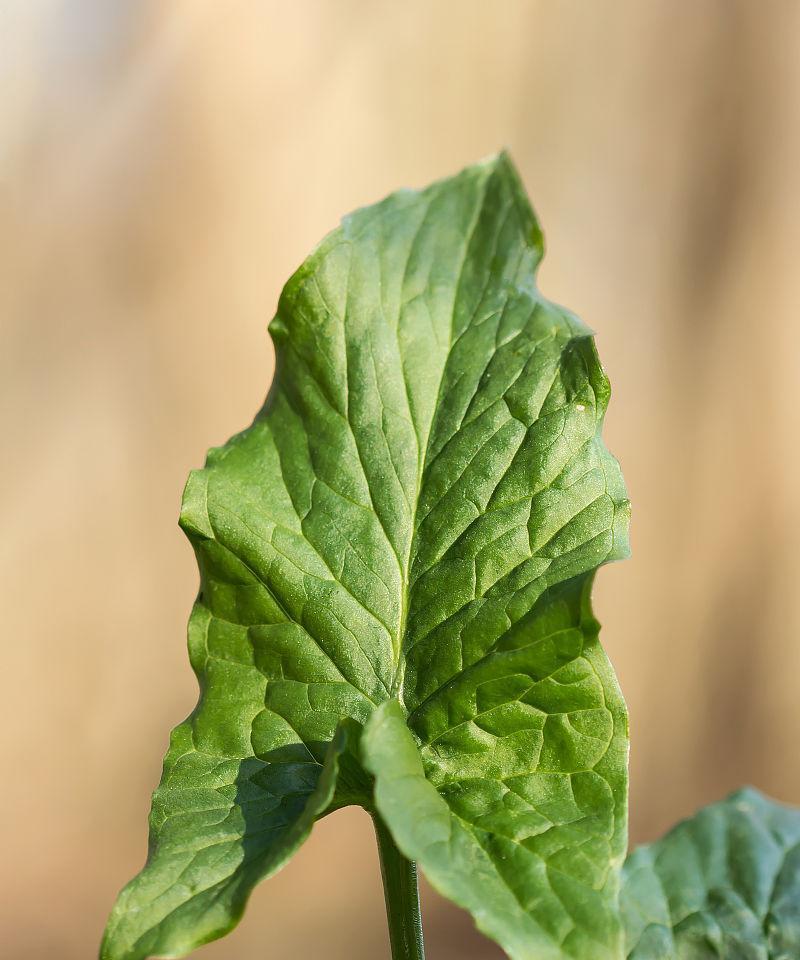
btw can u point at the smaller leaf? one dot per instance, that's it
(723, 884)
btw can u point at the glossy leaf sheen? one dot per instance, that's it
(723, 885)
(406, 537)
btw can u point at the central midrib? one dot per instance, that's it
(398, 680)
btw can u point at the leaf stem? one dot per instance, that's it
(401, 892)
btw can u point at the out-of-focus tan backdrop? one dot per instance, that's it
(163, 168)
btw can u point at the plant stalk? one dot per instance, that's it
(401, 892)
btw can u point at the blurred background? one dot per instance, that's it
(164, 166)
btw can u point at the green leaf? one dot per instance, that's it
(406, 537)
(724, 884)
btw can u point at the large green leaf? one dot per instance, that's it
(724, 885)
(406, 537)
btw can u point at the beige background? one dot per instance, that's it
(165, 165)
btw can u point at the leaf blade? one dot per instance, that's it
(421, 501)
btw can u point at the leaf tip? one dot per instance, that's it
(746, 793)
(505, 167)
(749, 798)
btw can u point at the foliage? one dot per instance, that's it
(396, 561)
